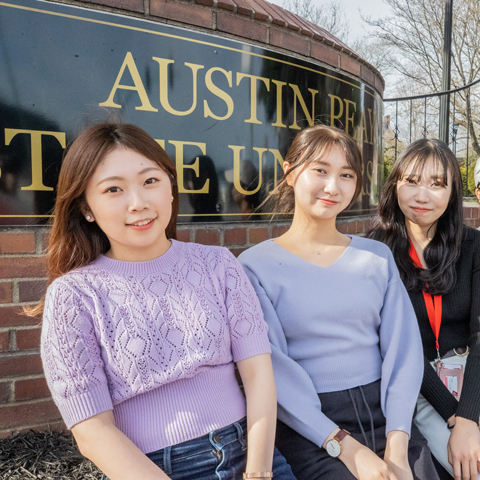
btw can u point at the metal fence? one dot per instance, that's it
(410, 118)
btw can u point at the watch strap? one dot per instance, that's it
(341, 434)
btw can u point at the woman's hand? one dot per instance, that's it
(396, 454)
(464, 449)
(363, 463)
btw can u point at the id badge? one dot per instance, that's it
(452, 377)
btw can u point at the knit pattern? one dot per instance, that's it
(115, 330)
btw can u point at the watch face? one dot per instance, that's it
(333, 448)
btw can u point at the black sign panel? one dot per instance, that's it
(225, 111)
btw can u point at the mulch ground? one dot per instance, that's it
(46, 455)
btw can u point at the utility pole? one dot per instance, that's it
(447, 62)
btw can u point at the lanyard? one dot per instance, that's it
(432, 302)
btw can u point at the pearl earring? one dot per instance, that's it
(88, 217)
(172, 198)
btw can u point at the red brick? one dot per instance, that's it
(242, 27)
(13, 317)
(18, 415)
(45, 240)
(207, 236)
(470, 222)
(28, 339)
(183, 235)
(273, 12)
(352, 227)
(132, 5)
(467, 212)
(209, 3)
(17, 365)
(235, 236)
(182, 12)
(321, 52)
(32, 290)
(5, 292)
(238, 251)
(379, 85)
(31, 389)
(285, 39)
(367, 75)
(342, 227)
(258, 234)
(279, 230)
(5, 434)
(4, 392)
(4, 341)
(360, 227)
(260, 12)
(18, 267)
(350, 65)
(368, 224)
(243, 8)
(475, 212)
(17, 242)
(226, 4)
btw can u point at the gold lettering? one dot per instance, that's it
(348, 117)
(279, 122)
(219, 93)
(161, 143)
(372, 126)
(36, 154)
(163, 68)
(195, 166)
(334, 117)
(297, 94)
(363, 134)
(236, 168)
(138, 87)
(253, 94)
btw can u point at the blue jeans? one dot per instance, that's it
(219, 455)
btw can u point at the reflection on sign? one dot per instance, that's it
(226, 112)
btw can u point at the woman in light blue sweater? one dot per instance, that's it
(346, 349)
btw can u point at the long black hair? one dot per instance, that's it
(443, 251)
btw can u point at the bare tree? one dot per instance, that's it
(412, 42)
(329, 15)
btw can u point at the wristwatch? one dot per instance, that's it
(334, 446)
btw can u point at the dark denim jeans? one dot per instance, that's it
(219, 455)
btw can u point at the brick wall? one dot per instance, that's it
(24, 397)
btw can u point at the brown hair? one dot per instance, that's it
(74, 242)
(311, 144)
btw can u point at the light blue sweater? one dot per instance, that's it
(336, 328)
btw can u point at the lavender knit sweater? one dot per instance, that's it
(154, 341)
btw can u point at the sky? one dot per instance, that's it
(373, 8)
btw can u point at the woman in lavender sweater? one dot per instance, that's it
(346, 348)
(141, 332)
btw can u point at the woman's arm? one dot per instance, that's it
(464, 443)
(259, 384)
(107, 447)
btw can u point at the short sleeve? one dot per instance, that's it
(248, 330)
(71, 356)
